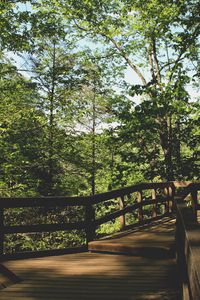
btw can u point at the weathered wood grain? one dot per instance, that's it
(93, 276)
(97, 276)
(152, 240)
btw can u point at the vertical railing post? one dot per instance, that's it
(1, 231)
(140, 209)
(171, 199)
(166, 194)
(173, 191)
(89, 219)
(194, 198)
(122, 218)
(154, 210)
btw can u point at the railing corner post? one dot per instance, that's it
(167, 203)
(194, 196)
(173, 192)
(89, 220)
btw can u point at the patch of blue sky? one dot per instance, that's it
(26, 6)
(21, 62)
(129, 75)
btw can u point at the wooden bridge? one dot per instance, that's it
(154, 255)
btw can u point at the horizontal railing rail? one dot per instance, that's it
(127, 200)
(191, 193)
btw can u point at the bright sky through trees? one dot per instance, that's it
(129, 67)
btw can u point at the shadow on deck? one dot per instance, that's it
(138, 264)
(140, 273)
(154, 240)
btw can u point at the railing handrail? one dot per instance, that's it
(187, 251)
(11, 202)
(90, 223)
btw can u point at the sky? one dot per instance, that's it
(130, 77)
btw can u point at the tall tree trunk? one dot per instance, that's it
(178, 143)
(51, 125)
(93, 183)
(166, 141)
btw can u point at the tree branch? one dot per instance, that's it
(184, 48)
(151, 63)
(119, 48)
(154, 49)
(127, 59)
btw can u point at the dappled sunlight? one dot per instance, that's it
(90, 276)
(87, 264)
(154, 240)
(148, 274)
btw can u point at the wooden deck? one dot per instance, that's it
(151, 240)
(94, 276)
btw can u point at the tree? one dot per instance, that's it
(156, 40)
(70, 87)
(14, 25)
(91, 121)
(21, 127)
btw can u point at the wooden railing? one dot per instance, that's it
(158, 197)
(133, 199)
(188, 242)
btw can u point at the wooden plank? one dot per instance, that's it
(153, 240)
(84, 200)
(66, 201)
(93, 277)
(115, 194)
(185, 184)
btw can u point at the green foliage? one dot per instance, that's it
(69, 123)
(43, 241)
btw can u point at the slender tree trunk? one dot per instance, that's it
(166, 142)
(178, 143)
(112, 162)
(166, 130)
(93, 183)
(51, 125)
(169, 164)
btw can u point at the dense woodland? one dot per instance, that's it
(97, 95)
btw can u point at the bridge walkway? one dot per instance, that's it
(136, 265)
